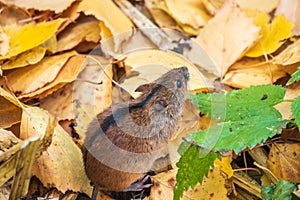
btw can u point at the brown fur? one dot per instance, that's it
(125, 139)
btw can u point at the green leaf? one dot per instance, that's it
(295, 77)
(221, 104)
(281, 191)
(249, 118)
(193, 165)
(296, 110)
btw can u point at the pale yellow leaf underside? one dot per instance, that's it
(226, 37)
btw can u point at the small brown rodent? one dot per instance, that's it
(124, 140)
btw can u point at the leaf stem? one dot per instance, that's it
(288, 100)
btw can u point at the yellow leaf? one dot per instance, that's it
(164, 183)
(51, 44)
(68, 73)
(23, 38)
(189, 14)
(155, 63)
(9, 97)
(212, 6)
(61, 165)
(247, 72)
(283, 161)
(85, 29)
(112, 17)
(272, 35)
(290, 9)
(264, 6)
(57, 5)
(207, 190)
(227, 36)
(36, 121)
(225, 166)
(28, 79)
(161, 18)
(29, 57)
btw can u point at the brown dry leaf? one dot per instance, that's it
(57, 5)
(263, 6)
(212, 6)
(35, 121)
(90, 99)
(61, 165)
(190, 15)
(226, 37)
(292, 91)
(29, 57)
(288, 56)
(151, 64)
(7, 140)
(249, 72)
(8, 96)
(189, 12)
(103, 196)
(59, 103)
(115, 21)
(162, 19)
(10, 114)
(85, 29)
(164, 183)
(283, 161)
(12, 15)
(21, 37)
(28, 79)
(290, 9)
(67, 74)
(4, 42)
(138, 41)
(10, 111)
(85, 46)
(71, 13)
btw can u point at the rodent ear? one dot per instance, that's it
(160, 104)
(144, 88)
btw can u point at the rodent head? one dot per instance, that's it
(166, 94)
(173, 90)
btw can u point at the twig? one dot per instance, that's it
(155, 34)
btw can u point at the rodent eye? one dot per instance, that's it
(178, 83)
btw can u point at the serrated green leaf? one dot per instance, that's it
(238, 101)
(281, 191)
(237, 135)
(193, 165)
(296, 110)
(249, 119)
(295, 77)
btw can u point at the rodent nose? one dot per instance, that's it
(185, 73)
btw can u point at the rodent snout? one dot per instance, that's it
(185, 72)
